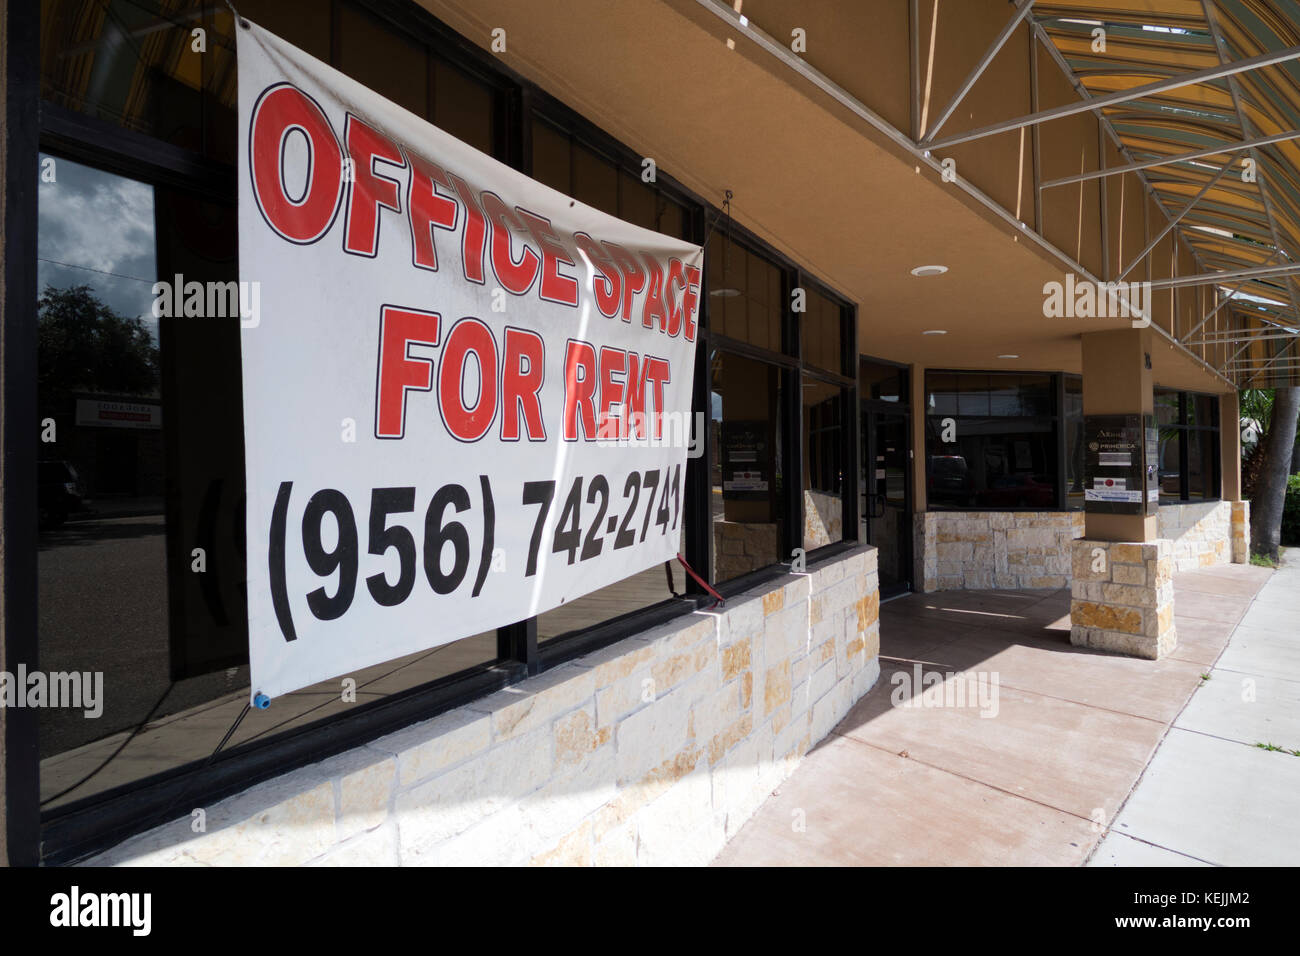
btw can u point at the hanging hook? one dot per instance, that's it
(726, 210)
(238, 19)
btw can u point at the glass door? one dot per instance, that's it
(886, 506)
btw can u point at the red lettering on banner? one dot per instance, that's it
(654, 312)
(612, 361)
(579, 390)
(656, 371)
(633, 276)
(522, 375)
(368, 190)
(691, 300)
(515, 277)
(279, 113)
(474, 238)
(676, 278)
(398, 372)
(556, 286)
(634, 404)
(607, 284)
(426, 209)
(468, 423)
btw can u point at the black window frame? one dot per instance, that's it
(1057, 442)
(1186, 432)
(83, 827)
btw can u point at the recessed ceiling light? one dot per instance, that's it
(1009, 355)
(725, 293)
(929, 270)
(935, 332)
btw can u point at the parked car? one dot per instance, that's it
(59, 492)
(950, 480)
(1019, 490)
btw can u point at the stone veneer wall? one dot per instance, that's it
(823, 519)
(654, 750)
(1200, 534)
(1240, 532)
(994, 549)
(740, 547)
(1122, 597)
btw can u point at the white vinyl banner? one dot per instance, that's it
(466, 396)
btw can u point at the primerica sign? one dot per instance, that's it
(445, 350)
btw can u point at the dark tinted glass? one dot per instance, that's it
(1073, 424)
(745, 297)
(823, 462)
(1171, 443)
(1167, 407)
(822, 329)
(1002, 447)
(885, 383)
(748, 507)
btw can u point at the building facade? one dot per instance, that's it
(896, 389)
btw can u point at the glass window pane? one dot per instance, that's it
(747, 506)
(387, 62)
(643, 590)
(1203, 411)
(595, 180)
(997, 461)
(1073, 423)
(1166, 407)
(147, 465)
(464, 107)
(824, 461)
(1202, 461)
(1171, 478)
(637, 202)
(941, 391)
(882, 382)
(551, 162)
(745, 299)
(822, 327)
(974, 397)
(133, 67)
(671, 218)
(1036, 396)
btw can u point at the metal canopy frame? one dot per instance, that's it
(1233, 232)
(1123, 96)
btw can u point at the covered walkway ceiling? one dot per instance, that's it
(1239, 208)
(836, 176)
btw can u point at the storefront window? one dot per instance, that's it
(822, 328)
(746, 300)
(884, 383)
(145, 465)
(990, 441)
(1072, 421)
(825, 409)
(749, 511)
(1189, 446)
(141, 561)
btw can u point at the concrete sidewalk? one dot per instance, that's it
(1211, 795)
(1035, 773)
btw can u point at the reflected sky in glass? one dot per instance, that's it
(97, 229)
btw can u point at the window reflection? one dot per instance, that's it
(141, 471)
(990, 441)
(748, 507)
(823, 464)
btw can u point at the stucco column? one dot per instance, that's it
(1121, 587)
(920, 458)
(1230, 470)
(1117, 381)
